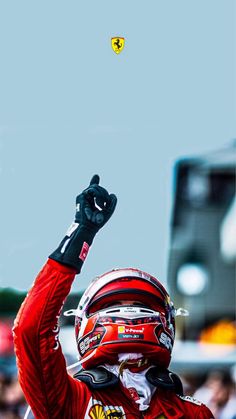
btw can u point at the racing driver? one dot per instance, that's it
(124, 326)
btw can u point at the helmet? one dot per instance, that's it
(107, 322)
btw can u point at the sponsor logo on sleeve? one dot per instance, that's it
(84, 251)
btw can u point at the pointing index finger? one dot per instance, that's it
(95, 180)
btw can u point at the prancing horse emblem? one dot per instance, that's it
(117, 44)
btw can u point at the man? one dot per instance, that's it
(125, 326)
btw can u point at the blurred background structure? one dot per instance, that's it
(201, 272)
(201, 276)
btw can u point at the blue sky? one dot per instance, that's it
(70, 107)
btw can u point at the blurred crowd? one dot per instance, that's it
(218, 393)
(12, 402)
(216, 389)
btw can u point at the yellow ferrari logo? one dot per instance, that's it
(117, 44)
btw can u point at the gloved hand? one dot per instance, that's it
(94, 207)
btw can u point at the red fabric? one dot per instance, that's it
(48, 388)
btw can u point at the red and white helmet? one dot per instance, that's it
(106, 326)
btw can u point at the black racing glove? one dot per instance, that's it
(94, 207)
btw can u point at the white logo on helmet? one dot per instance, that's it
(166, 341)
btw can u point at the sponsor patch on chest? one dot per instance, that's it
(96, 410)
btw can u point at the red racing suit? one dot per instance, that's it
(51, 392)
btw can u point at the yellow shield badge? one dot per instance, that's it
(117, 44)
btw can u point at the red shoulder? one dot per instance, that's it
(195, 407)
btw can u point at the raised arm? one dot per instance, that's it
(42, 369)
